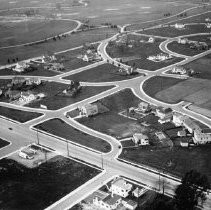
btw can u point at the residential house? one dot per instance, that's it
(33, 80)
(89, 110)
(208, 25)
(26, 97)
(207, 20)
(201, 138)
(141, 139)
(130, 204)
(108, 203)
(184, 143)
(179, 70)
(12, 94)
(159, 57)
(165, 114)
(183, 41)
(179, 26)
(190, 125)
(138, 192)
(181, 133)
(54, 67)
(151, 40)
(18, 80)
(144, 107)
(178, 119)
(120, 187)
(91, 56)
(21, 66)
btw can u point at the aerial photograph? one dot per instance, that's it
(105, 104)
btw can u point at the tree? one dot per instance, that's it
(193, 188)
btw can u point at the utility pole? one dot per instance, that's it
(102, 159)
(38, 140)
(67, 148)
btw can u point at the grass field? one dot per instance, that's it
(18, 115)
(171, 90)
(71, 41)
(183, 159)
(203, 66)
(103, 73)
(173, 32)
(54, 100)
(20, 32)
(24, 188)
(111, 122)
(3, 143)
(60, 128)
(140, 52)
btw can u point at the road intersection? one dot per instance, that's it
(23, 134)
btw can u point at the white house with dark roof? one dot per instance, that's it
(120, 187)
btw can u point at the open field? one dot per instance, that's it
(172, 90)
(157, 84)
(22, 31)
(103, 73)
(111, 122)
(183, 159)
(18, 115)
(24, 188)
(74, 40)
(176, 8)
(3, 143)
(173, 32)
(55, 99)
(61, 129)
(203, 66)
(140, 51)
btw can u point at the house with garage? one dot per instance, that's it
(27, 97)
(178, 119)
(201, 138)
(120, 187)
(179, 26)
(21, 66)
(140, 139)
(139, 191)
(179, 70)
(144, 107)
(89, 110)
(33, 81)
(183, 41)
(110, 202)
(165, 114)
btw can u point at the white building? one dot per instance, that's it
(120, 187)
(183, 41)
(208, 25)
(207, 19)
(178, 119)
(130, 204)
(138, 192)
(159, 57)
(33, 80)
(21, 66)
(89, 110)
(179, 70)
(179, 26)
(201, 138)
(108, 203)
(151, 40)
(190, 125)
(141, 139)
(144, 107)
(164, 113)
(26, 97)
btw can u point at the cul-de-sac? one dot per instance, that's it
(105, 104)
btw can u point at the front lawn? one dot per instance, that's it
(59, 128)
(18, 115)
(102, 73)
(24, 188)
(54, 98)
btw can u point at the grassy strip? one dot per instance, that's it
(59, 128)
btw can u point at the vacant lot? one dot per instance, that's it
(111, 122)
(3, 143)
(23, 31)
(60, 128)
(183, 159)
(203, 66)
(103, 73)
(55, 99)
(140, 52)
(18, 115)
(173, 32)
(74, 40)
(37, 188)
